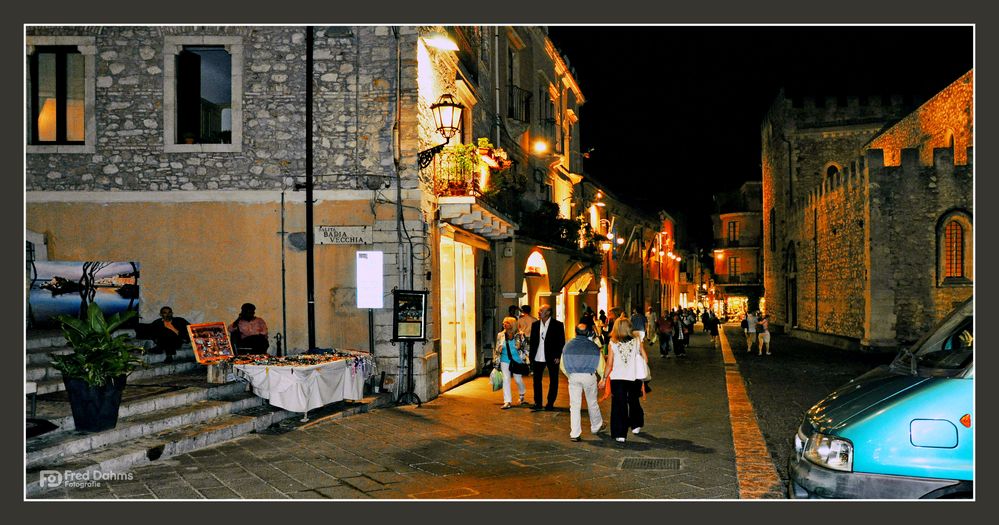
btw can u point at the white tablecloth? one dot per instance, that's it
(303, 388)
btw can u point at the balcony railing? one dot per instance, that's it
(745, 278)
(741, 242)
(455, 175)
(519, 104)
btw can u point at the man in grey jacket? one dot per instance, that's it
(581, 362)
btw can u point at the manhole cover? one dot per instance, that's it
(650, 464)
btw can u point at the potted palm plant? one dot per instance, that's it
(94, 374)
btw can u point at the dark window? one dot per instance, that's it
(204, 95)
(954, 250)
(733, 267)
(58, 95)
(733, 231)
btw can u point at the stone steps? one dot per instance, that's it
(128, 454)
(145, 395)
(54, 448)
(47, 386)
(40, 369)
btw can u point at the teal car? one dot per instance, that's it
(899, 431)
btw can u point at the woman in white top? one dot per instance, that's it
(627, 366)
(510, 346)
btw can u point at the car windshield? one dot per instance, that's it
(949, 347)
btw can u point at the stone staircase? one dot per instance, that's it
(167, 409)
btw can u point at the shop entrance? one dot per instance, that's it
(457, 311)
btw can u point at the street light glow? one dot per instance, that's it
(540, 147)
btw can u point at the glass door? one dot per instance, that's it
(457, 310)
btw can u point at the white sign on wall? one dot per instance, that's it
(343, 235)
(370, 280)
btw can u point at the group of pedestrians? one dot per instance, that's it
(756, 327)
(529, 345)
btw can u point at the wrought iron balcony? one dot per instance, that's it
(455, 174)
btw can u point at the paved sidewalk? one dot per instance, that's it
(461, 445)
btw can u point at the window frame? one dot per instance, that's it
(962, 219)
(86, 46)
(733, 264)
(172, 46)
(733, 231)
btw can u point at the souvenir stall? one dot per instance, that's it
(298, 383)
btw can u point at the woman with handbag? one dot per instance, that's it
(627, 366)
(510, 357)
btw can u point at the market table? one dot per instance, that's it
(303, 388)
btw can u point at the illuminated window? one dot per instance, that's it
(202, 93)
(954, 249)
(60, 94)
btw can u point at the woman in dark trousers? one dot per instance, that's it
(627, 366)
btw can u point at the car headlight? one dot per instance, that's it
(830, 452)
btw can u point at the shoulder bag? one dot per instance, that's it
(515, 368)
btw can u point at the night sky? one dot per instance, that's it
(673, 114)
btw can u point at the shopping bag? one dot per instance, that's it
(496, 378)
(605, 392)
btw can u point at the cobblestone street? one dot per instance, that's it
(461, 445)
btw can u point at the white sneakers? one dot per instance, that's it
(619, 440)
(636, 430)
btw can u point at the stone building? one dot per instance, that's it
(184, 148)
(868, 215)
(737, 259)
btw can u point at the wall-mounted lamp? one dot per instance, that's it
(606, 246)
(610, 236)
(447, 118)
(620, 240)
(661, 253)
(600, 204)
(540, 147)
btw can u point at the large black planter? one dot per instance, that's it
(94, 408)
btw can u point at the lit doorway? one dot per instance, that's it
(457, 311)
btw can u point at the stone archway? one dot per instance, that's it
(537, 286)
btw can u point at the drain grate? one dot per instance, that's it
(650, 464)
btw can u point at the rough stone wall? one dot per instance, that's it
(947, 116)
(817, 133)
(832, 265)
(910, 199)
(354, 92)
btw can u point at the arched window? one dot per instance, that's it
(954, 249)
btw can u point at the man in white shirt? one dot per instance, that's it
(547, 338)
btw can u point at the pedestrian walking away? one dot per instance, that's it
(547, 341)
(713, 322)
(763, 329)
(750, 331)
(627, 366)
(510, 348)
(583, 364)
(680, 335)
(638, 324)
